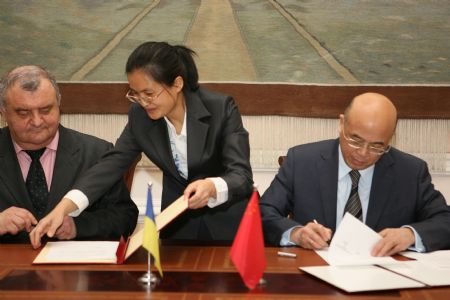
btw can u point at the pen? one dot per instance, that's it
(315, 222)
(286, 254)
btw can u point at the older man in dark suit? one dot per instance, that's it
(40, 160)
(359, 173)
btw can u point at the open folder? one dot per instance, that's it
(351, 266)
(104, 252)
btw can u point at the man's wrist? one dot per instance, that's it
(296, 235)
(412, 236)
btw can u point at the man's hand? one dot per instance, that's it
(15, 219)
(199, 192)
(312, 236)
(50, 223)
(394, 240)
(67, 230)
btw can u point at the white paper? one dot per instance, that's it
(423, 272)
(438, 259)
(361, 278)
(78, 252)
(352, 245)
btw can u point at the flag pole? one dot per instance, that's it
(149, 278)
(262, 281)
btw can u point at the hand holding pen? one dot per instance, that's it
(311, 236)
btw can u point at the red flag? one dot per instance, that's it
(247, 251)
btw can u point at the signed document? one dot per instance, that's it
(352, 244)
(353, 269)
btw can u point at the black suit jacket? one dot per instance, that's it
(217, 146)
(115, 214)
(401, 194)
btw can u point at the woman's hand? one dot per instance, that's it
(199, 192)
(51, 222)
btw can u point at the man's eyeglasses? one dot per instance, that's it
(374, 149)
(142, 100)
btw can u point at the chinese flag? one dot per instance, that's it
(247, 251)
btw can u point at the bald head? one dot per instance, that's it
(366, 129)
(373, 111)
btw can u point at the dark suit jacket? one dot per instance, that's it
(217, 146)
(401, 194)
(114, 215)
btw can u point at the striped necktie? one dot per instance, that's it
(353, 204)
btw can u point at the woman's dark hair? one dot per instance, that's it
(164, 62)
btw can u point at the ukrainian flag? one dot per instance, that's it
(150, 241)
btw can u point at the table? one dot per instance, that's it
(190, 272)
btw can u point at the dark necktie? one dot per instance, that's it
(353, 205)
(36, 183)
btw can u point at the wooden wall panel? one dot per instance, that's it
(316, 101)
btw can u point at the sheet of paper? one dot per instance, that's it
(361, 278)
(423, 272)
(438, 259)
(352, 244)
(78, 252)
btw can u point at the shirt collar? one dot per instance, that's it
(344, 169)
(52, 146)
(172, 128)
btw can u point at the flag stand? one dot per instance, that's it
(149, 278)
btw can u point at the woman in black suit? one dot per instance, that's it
(195, 136)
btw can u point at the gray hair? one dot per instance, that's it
(29, 78)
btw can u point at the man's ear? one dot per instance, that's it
(341, 123)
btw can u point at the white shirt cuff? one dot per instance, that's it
(80, 200)
(286, 237)
(221, 192)
(419, 246)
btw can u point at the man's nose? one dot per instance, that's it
(36, 119)
(364, 150)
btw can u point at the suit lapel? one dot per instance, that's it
(11, 174)
(380, 191)
(196, 141)
(66, 164)
(328, 172)
(159, 137)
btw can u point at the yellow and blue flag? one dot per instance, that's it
(150, 241)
